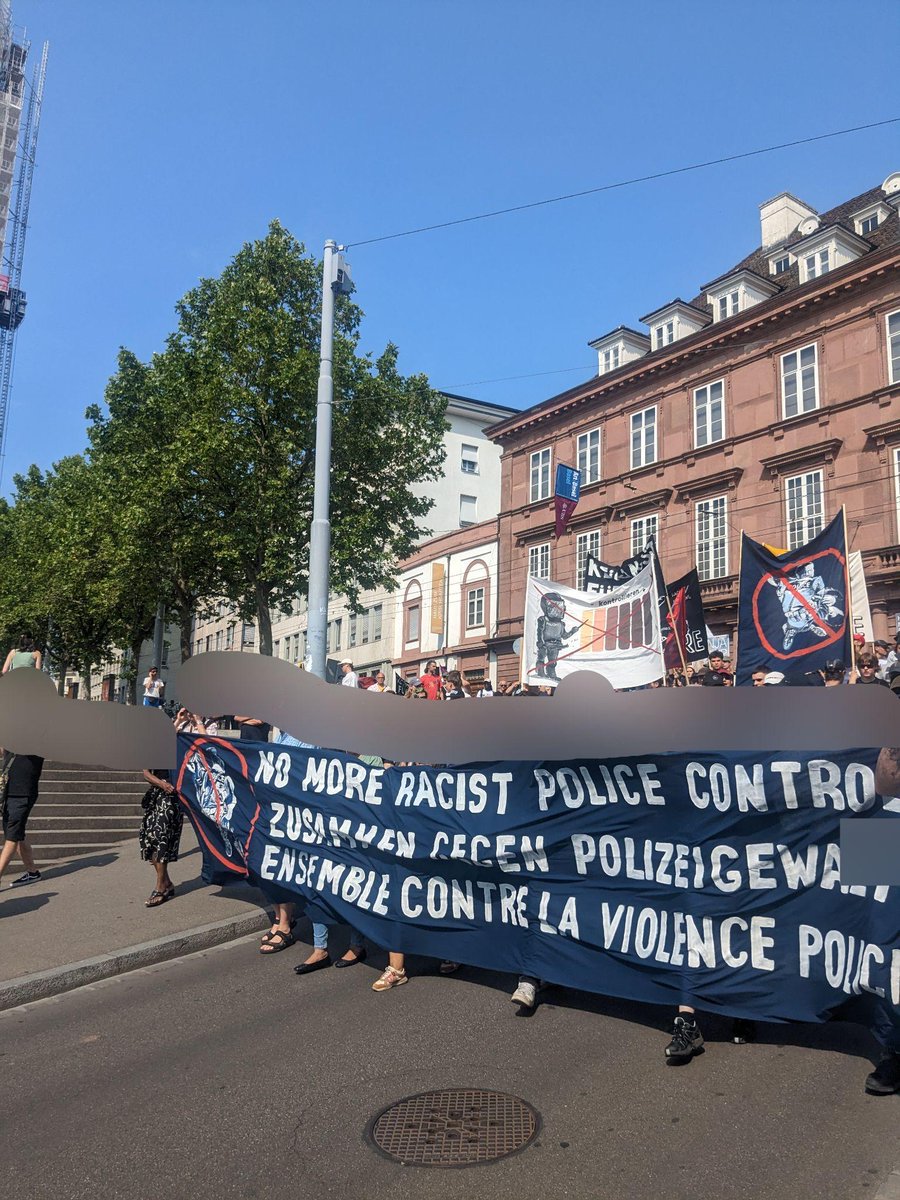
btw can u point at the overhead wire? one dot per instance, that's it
(621, 183)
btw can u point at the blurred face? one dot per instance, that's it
(759, 678)
(715, 661)
(346, 668)
(867, 668)
(379, 678)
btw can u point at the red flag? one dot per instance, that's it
(676, 620)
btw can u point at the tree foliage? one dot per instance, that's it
(197, 484)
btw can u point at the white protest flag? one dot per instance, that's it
(615, 634)
(859, 596)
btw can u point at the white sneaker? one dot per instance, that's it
(524, 995)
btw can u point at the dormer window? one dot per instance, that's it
(663, 335)
(817, 264)
(731, 294)
(729, 305)
(778, 266)
(867, 220)
(827, 249)
(618, 348)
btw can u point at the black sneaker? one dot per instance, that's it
(743, 1031)
(687, 1040)
(885, 1079)
(28, 877)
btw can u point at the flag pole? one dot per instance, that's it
(737, 626)
(849, 591)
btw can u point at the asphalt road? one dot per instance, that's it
(225, 1075)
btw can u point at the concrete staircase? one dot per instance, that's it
(83, 810)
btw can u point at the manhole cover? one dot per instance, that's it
(459, 1127)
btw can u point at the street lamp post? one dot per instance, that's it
(335, 281)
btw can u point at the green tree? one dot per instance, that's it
(244, 360)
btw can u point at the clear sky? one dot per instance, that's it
(174, 131)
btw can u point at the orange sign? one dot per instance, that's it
(437, 598)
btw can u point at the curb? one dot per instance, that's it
(28, 988)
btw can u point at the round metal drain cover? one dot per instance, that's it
(458, 1127)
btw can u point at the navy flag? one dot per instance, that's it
(793, 609)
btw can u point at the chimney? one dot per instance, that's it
(780, 217)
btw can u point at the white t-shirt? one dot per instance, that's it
(351, 679)
(376, 687)
(153, 687)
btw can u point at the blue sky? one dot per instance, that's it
(174, 131)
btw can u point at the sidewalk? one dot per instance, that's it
(86, 920)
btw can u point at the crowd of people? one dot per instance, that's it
(161, 827)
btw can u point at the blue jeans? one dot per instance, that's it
(320, 937)
(152, 702)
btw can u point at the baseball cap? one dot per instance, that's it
(773, 677)
(346, 662)
(859, 638)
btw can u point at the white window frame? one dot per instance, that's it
(642, 529)
(539, 561)
(817, 264)
(475, 596)
(585, 444)
(611, 359)
(704, 406)
(585, 543)
(638, 423)
(797, 371)
(801, 521)
(468, 459)
(895, 455)
(868, 223)
(777, 268)
(729, 305)
(892, 341)
(540, 464)
(663, 334)
(711, 545)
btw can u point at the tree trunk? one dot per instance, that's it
(263, 621)
(61, 686)
(184, 610)
(134, 659)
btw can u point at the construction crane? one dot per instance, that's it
(18, 149)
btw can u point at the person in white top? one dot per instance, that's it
(153, 689)
(351, 679)
(378, 685)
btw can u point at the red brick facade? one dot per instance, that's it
(851, 436)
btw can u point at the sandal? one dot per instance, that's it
(157, 898)
(276, 942)
(449, 968)
(266, 936)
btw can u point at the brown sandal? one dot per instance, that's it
(276, 942)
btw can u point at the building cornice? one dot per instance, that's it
(721, 481)
(789, 460)
(760, 316)
(646, 500)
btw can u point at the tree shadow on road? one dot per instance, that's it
(78, 864)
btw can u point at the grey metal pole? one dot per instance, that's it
(159, 626)
(320, 533)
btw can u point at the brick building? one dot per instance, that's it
(762, 404)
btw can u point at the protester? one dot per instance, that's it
(378, 686)
(453, 686)
(717, 663)
(153, 689)
(431, 681)
(486, 691)
(253, 729)
(758, 678)
(27, 655)
(526, 992)
(160, 833)
(350, 677)
(319, 958)
(868, 671)
(23, 774)
(880, 654)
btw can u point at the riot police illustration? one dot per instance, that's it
(809, 605)
(552, 634)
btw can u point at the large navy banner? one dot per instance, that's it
(679, 878)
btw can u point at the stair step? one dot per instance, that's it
(87, 787)
(39, 820)
(77, 837)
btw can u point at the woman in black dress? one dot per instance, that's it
(161, 832)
